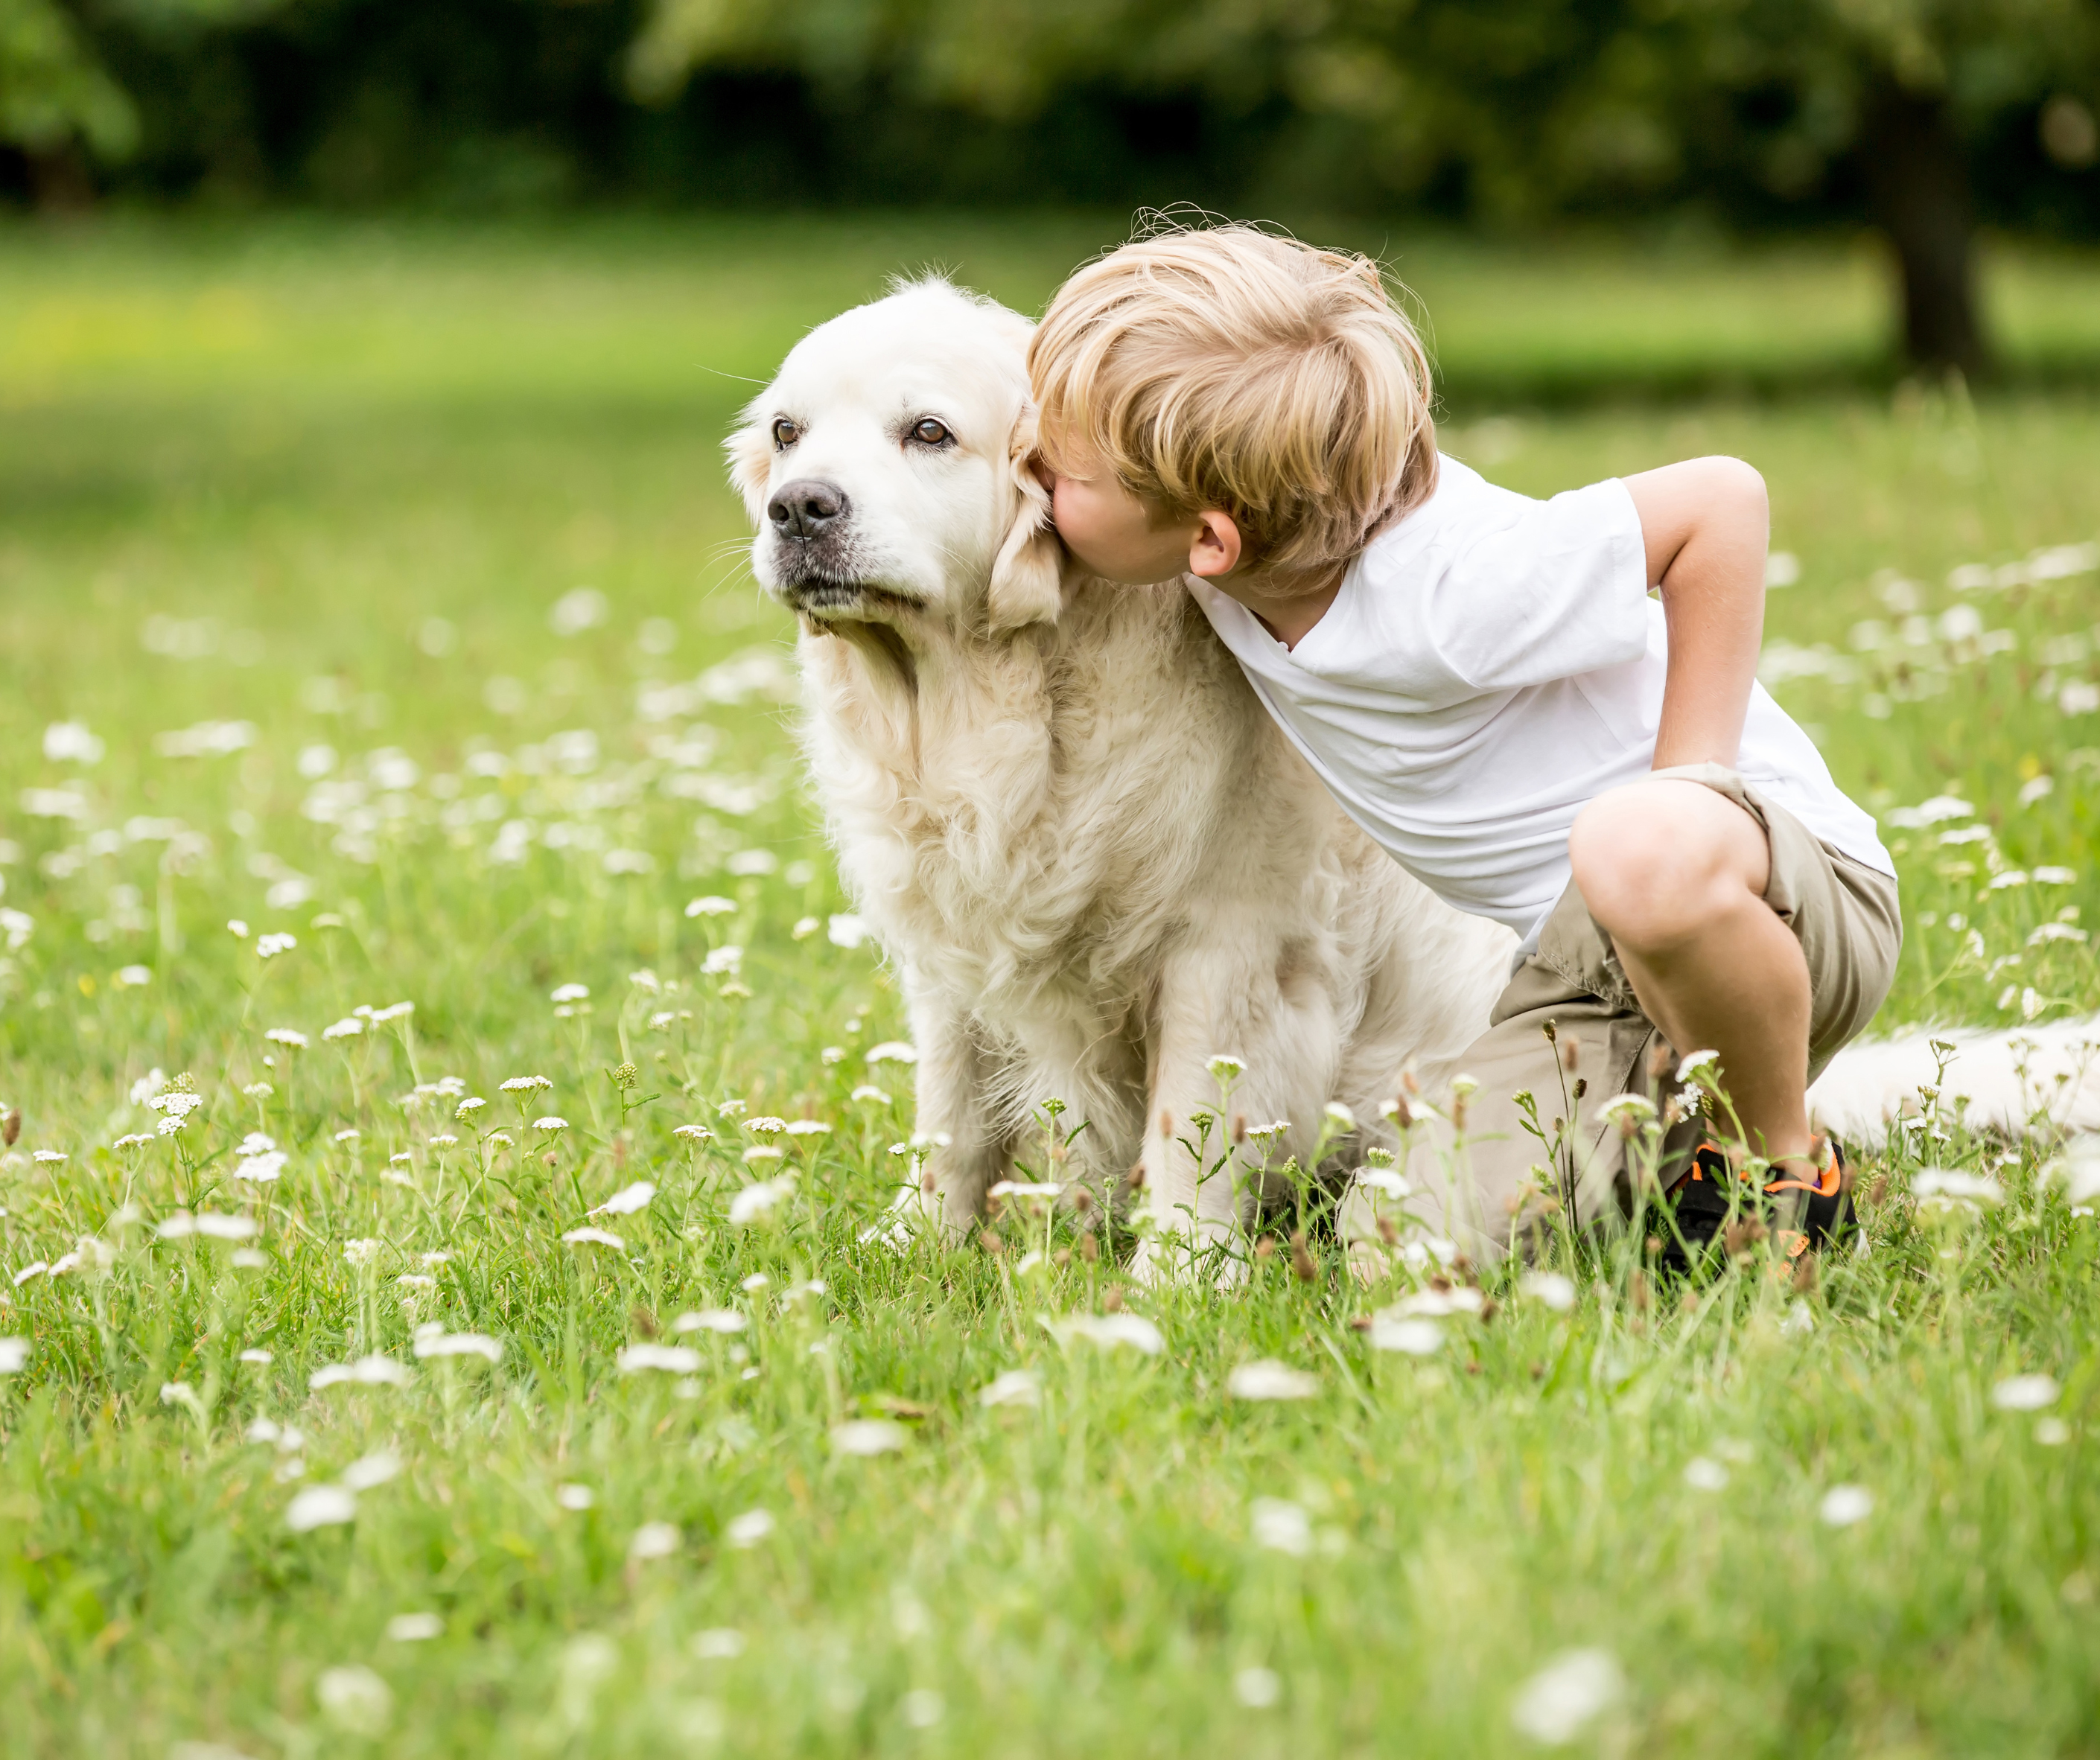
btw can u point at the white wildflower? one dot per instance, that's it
(1025, 1189)
(1844, 1504)
(575, 1498)
(869, 1435)
(349, 1027)
(1565, 1697)
(570, 993)
(2025, 1393)
(320, 1507)
(1414, 1337)
(527, 1084)
(594, 1237)
(1281, 1527)
(872, 1095)
(433, 1340)
(709, 1320)
(755, 1200)
(14, 1355)
(893, 1051)
(749, 1528)
(269, 947)
(1549, 1289)
(1703, 1475)
(375, 1370)
(1257, 1688)
(1267, 1379)
(653, 1540)
(355, 1699)
(695, 1133)
(1017, 1387)
(209, 1223)
(70, 743)
(182, 1394)
(673, 1358)
(414, 1628)
(626, 1200)
(711, 905)
(1436, 1304)
(1949, 1190)
(371, 1471)
(1111, 1330)
(550, 1125)
(261, 1168)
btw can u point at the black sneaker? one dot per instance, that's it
(1809, 1214)
(1698, 1210)
(1826, 1215)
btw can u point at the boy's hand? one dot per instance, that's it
(1706, 524)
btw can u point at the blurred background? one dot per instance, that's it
(1923, 124)
(364, 367)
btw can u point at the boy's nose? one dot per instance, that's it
(806, 507)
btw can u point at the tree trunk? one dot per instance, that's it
(60, 180)
(1917, 183)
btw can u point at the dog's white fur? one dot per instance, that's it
(1092, 856)
(2007, 1082)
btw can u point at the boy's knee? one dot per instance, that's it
(1657, 862)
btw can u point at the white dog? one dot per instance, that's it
(1097, 863)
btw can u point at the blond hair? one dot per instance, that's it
(1229, 369)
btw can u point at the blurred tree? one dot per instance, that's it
(55, 96)
(1513, 111)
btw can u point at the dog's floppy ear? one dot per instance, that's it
(1026, 578)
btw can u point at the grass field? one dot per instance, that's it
(376, 589)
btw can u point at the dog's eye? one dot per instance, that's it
(928, 432)
(785, 433)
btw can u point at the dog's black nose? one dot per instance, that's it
(806, 507)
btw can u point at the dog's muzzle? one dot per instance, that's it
(815, 559)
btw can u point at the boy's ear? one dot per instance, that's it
(1026, 578)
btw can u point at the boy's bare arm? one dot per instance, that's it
(1706, 524)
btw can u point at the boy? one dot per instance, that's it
(1483, 683)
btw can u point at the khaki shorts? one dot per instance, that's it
(1844, 914)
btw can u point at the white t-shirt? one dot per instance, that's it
(1490, 665)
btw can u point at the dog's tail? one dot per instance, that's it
(2008, 1081)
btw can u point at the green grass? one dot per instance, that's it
(339, 478)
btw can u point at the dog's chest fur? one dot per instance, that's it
(1029, 821)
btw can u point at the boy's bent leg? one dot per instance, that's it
(1676, 872)
(1494, 1187)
